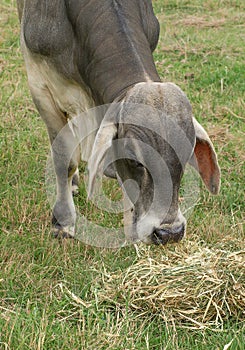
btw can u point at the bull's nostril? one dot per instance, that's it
(161, 236)
(164, 236)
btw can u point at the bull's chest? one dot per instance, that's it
(64, 96)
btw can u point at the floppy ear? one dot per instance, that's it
(204, 159)
(103, 141)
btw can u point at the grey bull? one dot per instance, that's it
(80, 54)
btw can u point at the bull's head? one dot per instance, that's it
(146, 142)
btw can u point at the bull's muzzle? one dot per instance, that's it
(164, 236)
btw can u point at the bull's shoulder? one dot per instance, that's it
(46, 28)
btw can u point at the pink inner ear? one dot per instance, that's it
(207, 165)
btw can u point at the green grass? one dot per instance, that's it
(201, 48)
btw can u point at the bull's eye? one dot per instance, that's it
(139, 165)
(135, 164)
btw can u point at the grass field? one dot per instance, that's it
(71, 296)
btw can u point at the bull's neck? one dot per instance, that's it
(118, 55)
(110, 78)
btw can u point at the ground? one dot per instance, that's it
(66, 295)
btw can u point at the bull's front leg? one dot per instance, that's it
(65, 153)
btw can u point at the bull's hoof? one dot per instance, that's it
(62, 232)
(75, 190)
(75, 184)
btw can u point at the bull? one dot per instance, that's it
(81, 54)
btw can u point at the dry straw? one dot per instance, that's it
(200, 290)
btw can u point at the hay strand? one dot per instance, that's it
(198, 291)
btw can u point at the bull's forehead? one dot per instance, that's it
(160, 115)
(143, 120)
(165, 97)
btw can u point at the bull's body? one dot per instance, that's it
(103, 46)
(85, 53)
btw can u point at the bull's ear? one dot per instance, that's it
(204, 159)
(103, 141)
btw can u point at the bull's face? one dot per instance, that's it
(150, 173)
(154, 137)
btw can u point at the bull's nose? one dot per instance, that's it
(164, 236)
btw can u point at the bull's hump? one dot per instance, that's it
(47, 30)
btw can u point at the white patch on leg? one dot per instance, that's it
(75, 183)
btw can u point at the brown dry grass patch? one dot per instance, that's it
(198, 290)
(201, 22)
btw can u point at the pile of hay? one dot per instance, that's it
(201, 290)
